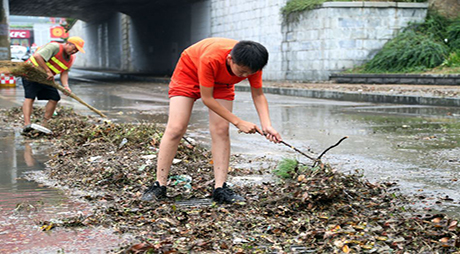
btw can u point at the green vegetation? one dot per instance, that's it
(69, 24)
(453, 40)
(453, 60)
(295, 7)
(20, 26)
(420, 47)
(453, 34)
(409, 51)
(286, 168)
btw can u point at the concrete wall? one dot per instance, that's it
(342, 35)
(5, 52)
(329, 39)
(103, 43)
(148, 42)
(200, 25)
(41, 33)
(255, 20)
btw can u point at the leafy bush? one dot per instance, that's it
(408, 51)
(453, 35)
(453, 60)
(420, 46)
(435, 26)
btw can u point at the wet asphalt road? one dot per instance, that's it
(415, 146)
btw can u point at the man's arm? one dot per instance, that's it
(43, 55)
(261, 104)
(212, 104)
(41, 62)
(65, 80)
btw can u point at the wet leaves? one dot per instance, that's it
(317, 210)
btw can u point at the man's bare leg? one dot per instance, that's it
(180, 109)
(27, 108)
(219, 128)
(49, 111)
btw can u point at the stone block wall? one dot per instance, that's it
(252, 20)
(342, 35)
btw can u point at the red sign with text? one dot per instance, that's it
(19, 34)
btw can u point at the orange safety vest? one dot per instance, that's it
(57, 63)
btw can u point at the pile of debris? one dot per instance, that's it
(307, 209)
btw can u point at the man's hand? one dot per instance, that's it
(68, 89)
(50, 75)
(271, 134)
(248, 127)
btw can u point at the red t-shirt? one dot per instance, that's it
(204, 64)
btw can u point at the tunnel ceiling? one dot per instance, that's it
(88, 10)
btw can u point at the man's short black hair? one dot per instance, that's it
(250, 54)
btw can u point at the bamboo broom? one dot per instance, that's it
(28, 71)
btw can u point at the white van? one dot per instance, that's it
(18, 53)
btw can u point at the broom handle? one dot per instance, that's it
(17, 69)
(70, 94)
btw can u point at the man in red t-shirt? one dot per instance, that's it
(209, 70)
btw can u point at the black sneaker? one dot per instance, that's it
(225, 195)
(28, 128)
(154, 192)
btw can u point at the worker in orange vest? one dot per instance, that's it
(54, 58)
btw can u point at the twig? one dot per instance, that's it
(317, 160)
(188, 141)
(325, 151)
(297, 150)
(292, 147)
(346, 193)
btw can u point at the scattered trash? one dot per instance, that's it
(238, 240)
(183, 180)
(123, 142)
(149, 157)
(95, 158)
(141, 168)
(41, 128)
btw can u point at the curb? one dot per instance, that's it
(359, 97)
(426, 79)
(122, 76)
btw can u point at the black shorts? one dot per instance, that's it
(34, 90)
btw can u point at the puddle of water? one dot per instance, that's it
(24, 204)
(10, 97)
